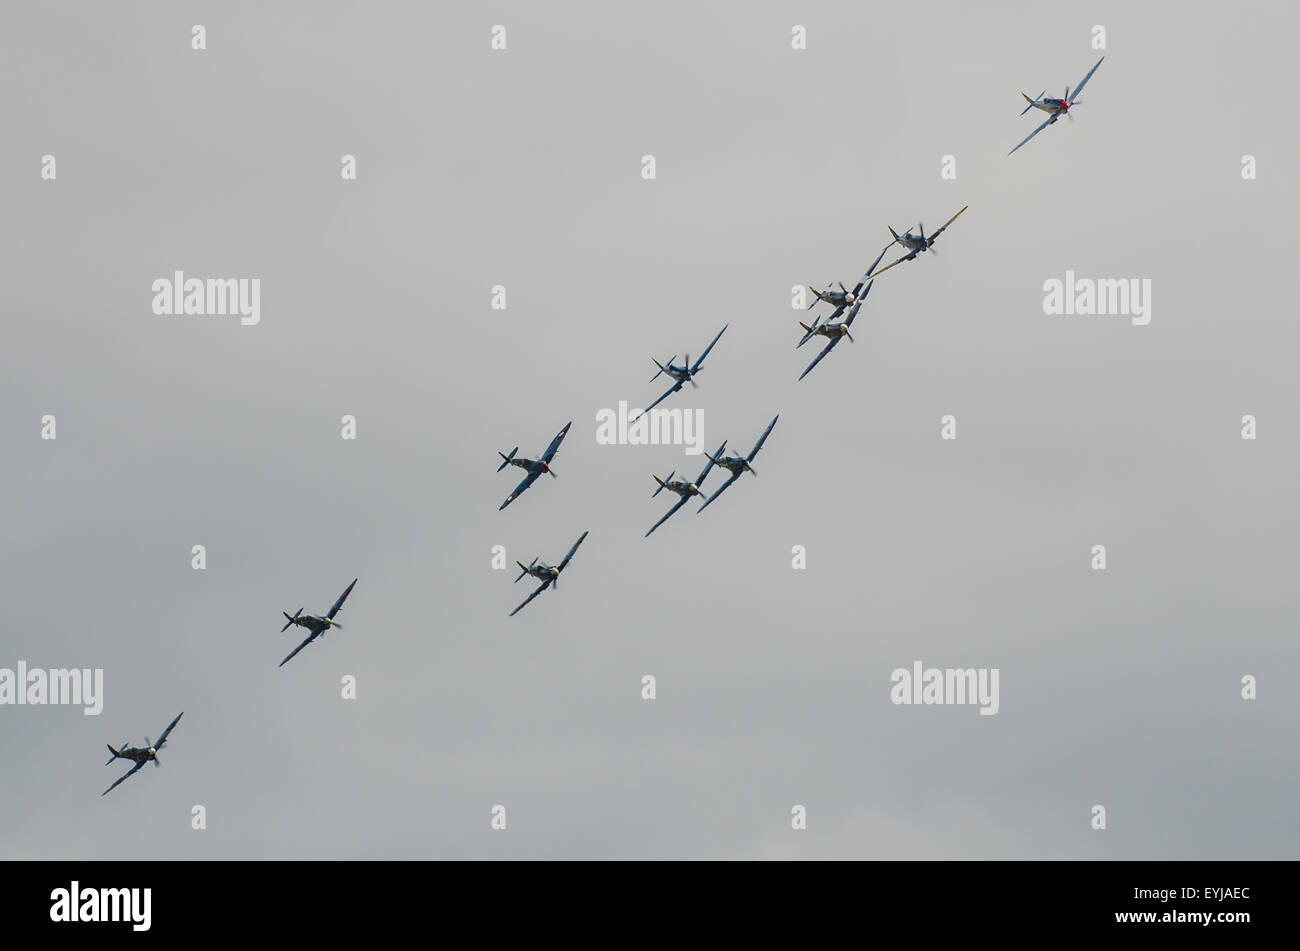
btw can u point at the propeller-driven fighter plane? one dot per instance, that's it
(548, 574)
(844, 298)
(687, 490)
(681, 374)
(1055, 108)
(140, 754)
(917, 243)
(317, 625)
(834, 331)
(738, 465)
(534, 467)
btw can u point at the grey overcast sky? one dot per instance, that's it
(775, 167)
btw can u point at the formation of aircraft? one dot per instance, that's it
(1055, 108)
(139, 754)
(316, 625)
(681, 374)
(737, 465)
(534, 467)
(685, 490)
(917, 243)
(548, 574)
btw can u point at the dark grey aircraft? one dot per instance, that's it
(844, 298)
(738, 465)
(687, 490)
(548, 574)
(916, 243)
(834, 331)
(140, 754)
(681, 374)
(534, 467)
(317, 625)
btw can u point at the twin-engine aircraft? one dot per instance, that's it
(534, 467)
(1055, 108)
(317, 625)
(140, 754)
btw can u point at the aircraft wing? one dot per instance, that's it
(905, 257)
(310, 637)
(170, 726)
(342, 597)
(519, 489)
(935, 237)
(540, 588)
(700, 481)
(816, 360)
(871, 270)
(125, 776)
(669, 514)
(555, 443)
(759, 445)
(857, 305)
(1046, 123)
(809, 334)
(1083, 82)
(673, 390)
(700, 358)
(723, 488)
(572, 550)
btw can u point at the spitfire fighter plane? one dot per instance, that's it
(534, 467)
(686, 490)
(738, 465)
(681, 374)
(917, 243)
(317, 625)
(547, 574)
(1055, 108)
(844, 298)
(834, 331)
(139, 754)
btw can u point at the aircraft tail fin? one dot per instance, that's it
(663, 483)
(1032, 101)
(116, 754)
(507, 458)
(894, 233)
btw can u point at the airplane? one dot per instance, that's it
(916, 243)
(1055, 108)
(317, 625)
(738, 465)
(684, 489)
(534, 467)
(835, 332)
(140, 754)
(841, 302)
(681, 374)
(548, 574)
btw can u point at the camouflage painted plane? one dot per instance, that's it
(835, 332)
(738, 465)
(547, 574)
(1055, 108)
(843, 298)
(686, 490)
(317, 625)
(917, 243)
(681, 374)
(140, 754)
(534, 467)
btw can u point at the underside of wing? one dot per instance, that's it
(669, 514)
(540, 588)
(519, 489)
(1083, 82)
(722, 488)
(670, 392)
(342, 597)
(872, 270)
(1046, 123)
(905, 257)
(708, 466)
(573, 549)
(817, 359)
(767, 432)
(700, 359)
(124, 777)
(946, 224)
(292, 654)
(555, 443)
(170, 726)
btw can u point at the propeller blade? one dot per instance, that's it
(334, 624)
(552, 472)
(849, 335)
(693, 383)
(156, 761)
